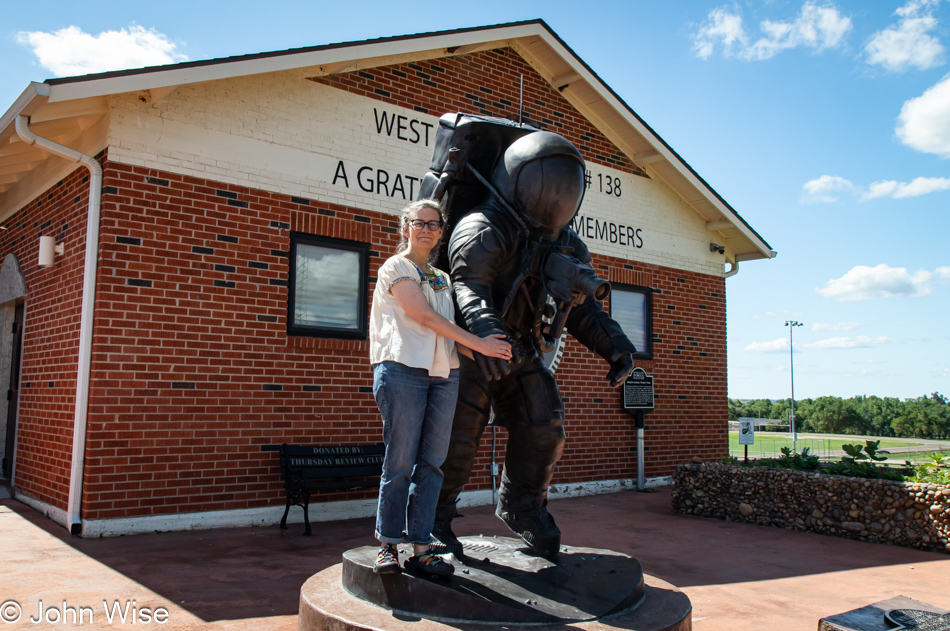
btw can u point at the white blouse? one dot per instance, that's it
(394, 336)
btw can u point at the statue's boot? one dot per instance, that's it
(536, 528)
(522, 501)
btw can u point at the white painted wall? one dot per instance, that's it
(281, 132)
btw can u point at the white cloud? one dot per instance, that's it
(908, 43)
(827, 188)
(861, 341)
(943, 273)
(823, 189)
(899, 190)
(70, 52)
(924, 121)
(869, 283)
(768, 314)
(775, 346)
(818, 26)
(841, 326)
(723, 27)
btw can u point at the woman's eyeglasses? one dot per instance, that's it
(418, 224)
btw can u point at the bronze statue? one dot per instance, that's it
(517, 268)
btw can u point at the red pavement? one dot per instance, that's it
(738, 576)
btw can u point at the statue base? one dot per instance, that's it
(497, 582)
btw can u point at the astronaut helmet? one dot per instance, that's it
(541, 175)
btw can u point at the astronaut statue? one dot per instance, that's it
(518, 269)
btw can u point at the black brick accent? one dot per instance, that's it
(366, 388)
(312, 388)
(274, 387)
(704, 354)
(110, 190)
(278, 282)
(51, 384)
(228, 284)
(671, 307)
(138, 282)
(327, 212)
(703, 307)
(437, 68)
(361, 218)
(227, 194)
(76, 199)
(399, 73)
(300, 200)
(677, 323)
(237, 202)
(266, 318)
(280, 225)
(419, 108)
(280, 253)
(157, 181)
(682, 396)
(228, 238)
(229, 269)
(257, 265)
(197, 249)
(382, 92)
(366, 75)
(485, 90)
(128, 240)
(183, 385)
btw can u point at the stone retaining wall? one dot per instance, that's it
(900, 513)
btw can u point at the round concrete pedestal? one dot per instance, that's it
(496, 584)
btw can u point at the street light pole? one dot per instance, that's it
(791, 324)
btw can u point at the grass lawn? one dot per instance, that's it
(772, 442)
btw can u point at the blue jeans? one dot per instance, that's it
(417, 413)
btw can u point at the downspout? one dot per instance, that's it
(733, 270)
(84, 367)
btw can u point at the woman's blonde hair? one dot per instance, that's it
(408, 213)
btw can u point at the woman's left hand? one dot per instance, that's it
(495, 345)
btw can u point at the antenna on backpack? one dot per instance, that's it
(521, 104)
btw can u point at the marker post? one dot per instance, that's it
(638, 400)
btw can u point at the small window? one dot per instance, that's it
(328, 287)
(632, 308)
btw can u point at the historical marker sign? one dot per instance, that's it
(746, 431)
(638, 391)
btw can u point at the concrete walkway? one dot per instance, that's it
(738, 576)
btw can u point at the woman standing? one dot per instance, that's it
(413, 340)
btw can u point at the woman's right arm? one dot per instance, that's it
(414, 303)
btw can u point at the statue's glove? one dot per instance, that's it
(620, 369)
(492, 368)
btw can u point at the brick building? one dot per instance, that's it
(214, 298)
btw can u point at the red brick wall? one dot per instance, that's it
(51, 335)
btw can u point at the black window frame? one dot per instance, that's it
(648, 316)
(363, 249)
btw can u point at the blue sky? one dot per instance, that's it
(826, 125)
